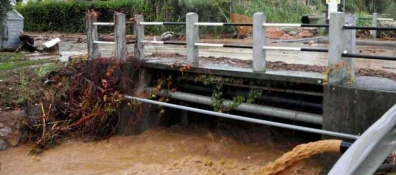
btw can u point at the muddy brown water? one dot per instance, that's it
(175, 150)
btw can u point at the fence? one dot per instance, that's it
(119, 24)
(341, 49)
(374, 22)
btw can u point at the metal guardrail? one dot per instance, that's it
(370, 150)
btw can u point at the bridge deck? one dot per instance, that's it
(228, 67)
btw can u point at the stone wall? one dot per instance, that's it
(10, 125)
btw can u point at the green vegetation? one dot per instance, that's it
(279, 11)
(46, 69)
(20, 84)
(371, 6)
(68, 16)
(10, 56)
(5, 7)
(14, 65)
(20, 79)
(56, 16)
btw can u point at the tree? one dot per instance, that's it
(4, 9)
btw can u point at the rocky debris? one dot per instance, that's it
(108, 38)
(26, 43)
(13, 115)
(389, 34)
(5, 132)
(275, 33)
(10, 125)
(169, 35)
(52, 46)
(3, 145)
(290, 33)
(242, 31)
(383, 34)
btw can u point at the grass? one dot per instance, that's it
(11, 56)
(279, 11)
(45, 69)
(20, 83)
(18, 64)
(363, 22)
(24, 86)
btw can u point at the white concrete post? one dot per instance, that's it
(121, 51)
(374, 24)
(350, 44)
(340, 41)
(139, 37)
(324, 21)
(259, 39)
(192, 37)
(92, 35)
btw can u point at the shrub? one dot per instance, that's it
(69, 16)
(4, 9)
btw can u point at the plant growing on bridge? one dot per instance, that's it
(217, 82)
(335, 69)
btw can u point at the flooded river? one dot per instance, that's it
(175, 150)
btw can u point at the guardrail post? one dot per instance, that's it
(259, 40)
(192, 37)
(139, 37)
(121, 51)
(92, 35)
(340, 41)
(374, 24)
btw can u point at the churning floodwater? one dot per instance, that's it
(174, 150)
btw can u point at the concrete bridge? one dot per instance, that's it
(336, 103)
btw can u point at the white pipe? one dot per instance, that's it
(251, 108)
(103, 42)
(246, 119)
(282, 48)
(385, 19)
(281, 25)
(104, 23)
(209, 24)
(209, 44)
(153, 42)
(152, 23)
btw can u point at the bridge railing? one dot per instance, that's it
(341, 49)
(119, 42)
(374, 22)
(371, 149)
